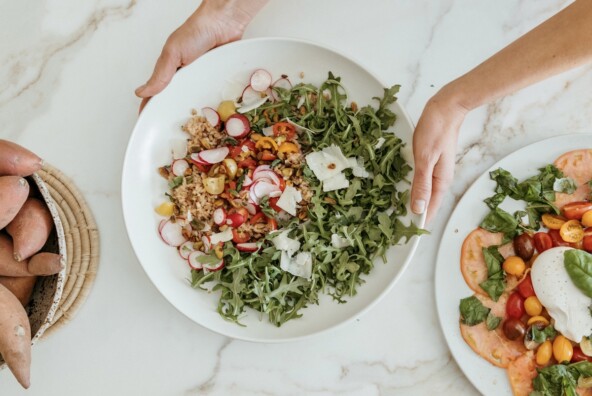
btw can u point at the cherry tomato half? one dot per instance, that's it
(273, 203)
(515, 306)
(272, 224)
(575, 210)
(556, 238)
(525, 287)
(284, 128)
(240, 237)
(249, 163)
(258, 218)
(542, 242)
(267, 155)
(579, 356)
(587, 241)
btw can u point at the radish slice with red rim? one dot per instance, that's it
(172, 233)
(247, 181)
(262, 189)
(251, 208)
(247, 247)
(197, 160)
(267, 174)
(179, 167)
(250, 96)
(206, 241)
(260, 80)
(211, 116)
(219, 216)
(261, 168)
(161, 224)
(282, 83)
(235, 220)
(193, 260)
(214, 156)
(213, 267)
(237, 126)
(275, 194)
(185, 249)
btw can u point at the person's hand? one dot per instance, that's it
(434, 152)
(216, 22)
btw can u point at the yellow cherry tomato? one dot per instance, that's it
(288, 147)
(572, 231)
(514, 265)
(165, 209)
(533, 306)
(553, 222)
(226, 108)
(543, 354)
(538, 319)
(266, 143)
(562, 349)
(587, 219)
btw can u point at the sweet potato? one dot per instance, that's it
(30, 228)
(13, 194)
(8, 265)
(17, 161)
(21, 287)
(45, 264)
(15, 337)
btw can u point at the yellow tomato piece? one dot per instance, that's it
(266, 143)
(288, 147)
(572, 231)
(562, 349)
(553, 222)
(226, 108)
(514, 265)
(587, 219)
(538, 319)
(544, 353)
(165, 209)
(533, 306)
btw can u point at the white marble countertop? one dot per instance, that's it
(67, 74)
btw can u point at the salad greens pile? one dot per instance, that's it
(561, 379)
(366, 213)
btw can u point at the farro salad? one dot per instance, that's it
(284, 193)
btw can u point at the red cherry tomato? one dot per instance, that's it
(542, 242)
(249, 163)
(575, 210)
(258, 218)
(273, 203)
(579, 356)
(240, 237)
(267, 156)
(231, 185)
(235, 151)
(272, 224)
(515, 306)
(284, 128)
(282, 183)
(556, 238)
(525, 287)
(202, 168)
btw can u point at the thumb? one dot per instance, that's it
(421, 190)
(165, 69)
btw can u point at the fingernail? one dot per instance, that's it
(140, 89)
(419, 206)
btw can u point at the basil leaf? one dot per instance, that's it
(560, 379)
(541, 335)
(472, 311)
(498, 220)
(578, 265)
(492, 322)
(495, 285)
(564, 185)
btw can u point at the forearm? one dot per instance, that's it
(559, 44)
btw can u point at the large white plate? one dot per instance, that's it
(202, 84)
(450, 285)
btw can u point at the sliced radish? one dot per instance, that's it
(211, 116)
(193, 260)
(267, 174)
(214, 267)
(219, 216)
(275, 194)
(235, 220)
(179, 167)
(250, 96)
(172, 233)
(214, 156)
(197, 160)
(185, 249)
(247, 181)
(283, 83)
(251, 208)
(206, 242)
(260, 80)
(261, 168)
(247, 247)
(161, 224)
(237, 126)
(262, 189)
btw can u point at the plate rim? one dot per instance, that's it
(439, 267)
(413, 243)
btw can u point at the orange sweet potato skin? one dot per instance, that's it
(15, 336)
(22, 287)
(17, 161)
(30, 228)
(14, 191)
(8, 265)
(45, 264)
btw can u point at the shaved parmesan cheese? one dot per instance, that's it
(301, 265)
(301, 101)
(358, 169)
(379, 143)
(179, 148)
(223, 236)
(339, 242)
(337, 182)
(289, 200)
(284, 243)
(267, 131)
(246, 107)
(327, 163)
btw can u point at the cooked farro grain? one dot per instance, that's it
(203, 136)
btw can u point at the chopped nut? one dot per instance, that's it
(354, 106)
(164, 172)
(219, 251)
(287, 172)
(218, 203)
(256, 136)
(223, 227)
(204, 142)
(330, 200)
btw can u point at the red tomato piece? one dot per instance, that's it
(249, 163)
(267, 156)
(542, 242)
(240, 237)
(515, 306)
(525, 287)
(284, 128)
(579, 356)
(258, 218)
(272, 224)
(575, 210)
(556, 239)
(273, 203)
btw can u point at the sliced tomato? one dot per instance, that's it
(282, 183)
(267, 155)
(575, 210)
(515, 306)
(525, 288)
(258, 218)
(579, 356)
(240, 237)
(542, 242)
(273, 201)
(230, 185)
(237, 150)
(272, 224)
(556, 238)
(248, 163)
(284, 129)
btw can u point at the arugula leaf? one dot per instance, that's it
(492, 322)
(266, 208)
(230, 140)
(472, 311)
(560, 379)
(385, 115)
(578, 265)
